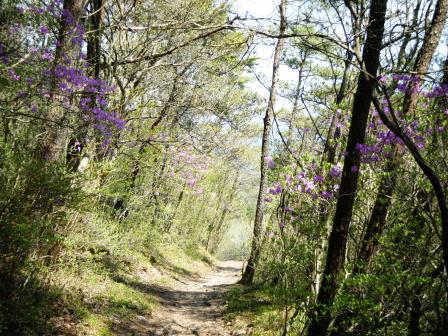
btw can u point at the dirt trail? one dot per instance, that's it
(193, 306)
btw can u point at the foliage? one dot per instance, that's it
(130, 142)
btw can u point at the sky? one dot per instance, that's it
(255, 8)
(264, 49)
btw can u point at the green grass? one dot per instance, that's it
(106, 290)
(254, 307)
(102, 291)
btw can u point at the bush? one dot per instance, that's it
(34, 198)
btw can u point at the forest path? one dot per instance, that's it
(192, 306)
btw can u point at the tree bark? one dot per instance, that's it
(380, 209)
(78, 140)
(377, 220)
(249, 271)
(53, 144)
(428, 171)
(329, 156)
(338, 238)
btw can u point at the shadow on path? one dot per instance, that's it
(190, 307)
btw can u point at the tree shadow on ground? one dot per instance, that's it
(203, 304)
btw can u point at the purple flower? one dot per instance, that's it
(363, 148)
(354, 169)
(270, 162)
(77, 146)
(276, 190)
(13, 75)
(191, 182)
(101, 101)
(318, 179)
(335, 171)
(382, 78)
(47, 56)
(326, 194)
(77, 40)
(44, 30)
(58, 202)
(309, 186)
(37, 10)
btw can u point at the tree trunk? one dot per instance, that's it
(157, 183)
(163, 114)
(378, 216)
(78, 140)
(170, 221)
(214, 243)
(329, 156)
(377, 220)
(249, 271)
(338, 238)
(53, 143)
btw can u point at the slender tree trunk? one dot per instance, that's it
(173, 217)
(162, 115)
(136, 165)
(94, 42)
(218, 228)
(78, 140)
(249, 271)
(428, 171)
(219, 204)
(377, 220)
(382, 203)
(338, 238)
(334, 132)
(53, 144)
(329, 156)
(383, 200)
(157, 183)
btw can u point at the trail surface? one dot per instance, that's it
(193, 306)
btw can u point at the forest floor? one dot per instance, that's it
(191, 305)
